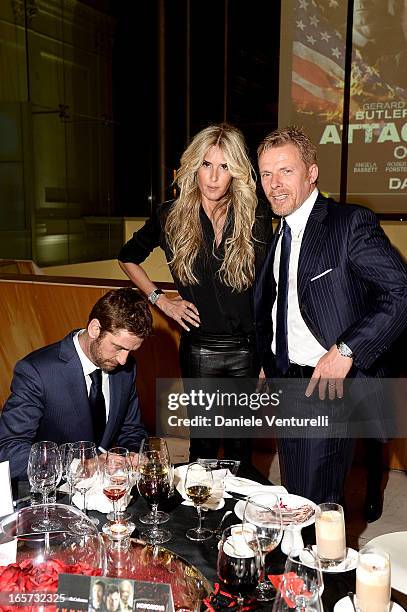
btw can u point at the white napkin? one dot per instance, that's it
(244, 486)
(6, 497)
(96, 499)
(8, 551)
(216, 501)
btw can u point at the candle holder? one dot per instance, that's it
(119, 530)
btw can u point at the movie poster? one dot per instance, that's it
(312, 63)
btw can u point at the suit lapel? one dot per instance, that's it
(312, 243)
(265, 285)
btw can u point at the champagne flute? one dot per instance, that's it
(84, 470)
(115, 479)
(158, 445)
(44, 473)
(198, 488)
(302, 580)
(154, 485)
(262, 511)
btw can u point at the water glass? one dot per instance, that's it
(302, 582)
(44, 473)
(263, 513)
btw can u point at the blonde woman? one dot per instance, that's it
(214, 236)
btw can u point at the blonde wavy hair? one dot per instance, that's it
(183, 226)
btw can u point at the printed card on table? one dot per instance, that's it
(91, 593)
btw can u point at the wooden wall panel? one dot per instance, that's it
(35, 314)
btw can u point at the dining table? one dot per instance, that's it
(203, 555)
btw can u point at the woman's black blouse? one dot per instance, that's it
(221, 309)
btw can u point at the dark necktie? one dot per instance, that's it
(97, 406)
(282, 361)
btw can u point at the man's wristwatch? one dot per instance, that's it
(344, 349)
(154, 295)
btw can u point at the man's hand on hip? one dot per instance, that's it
(330, 371)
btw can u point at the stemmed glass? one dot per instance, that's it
(198, 487)
(44, 473)
(154, 485)
(116, 479)
(159, 446)
(65, 450)
(124, 455)
(262, 511)
(84, 471)
(302, 583)
(238, 562)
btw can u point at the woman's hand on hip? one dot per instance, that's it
(180, 310)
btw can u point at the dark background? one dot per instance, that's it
(178, 66)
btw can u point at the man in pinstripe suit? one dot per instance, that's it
(342, 302)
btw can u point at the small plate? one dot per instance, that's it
(288, 499)
(395, 544)
(346, 565)
(345, 605)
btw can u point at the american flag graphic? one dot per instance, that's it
(319, 61)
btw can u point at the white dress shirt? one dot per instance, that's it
(303, 347)
(88, 367)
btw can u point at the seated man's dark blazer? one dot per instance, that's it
(49, 401)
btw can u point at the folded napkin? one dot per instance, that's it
(216, 501)
(96, 499)
(244, 486)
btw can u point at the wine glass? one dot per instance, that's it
(262, 511)
(84, 471)
(198, 488)
(239, 565)
(154, 485)
(158, 445)
(44, 473)
(115, 479)
(283, 604)
(302, 582)
(124, 453)
(65, 450)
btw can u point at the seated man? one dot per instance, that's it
(81, 388)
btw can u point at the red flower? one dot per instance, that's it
(9, 576)
(44, 576)
(30, 577)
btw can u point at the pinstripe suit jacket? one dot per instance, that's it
(362, 301)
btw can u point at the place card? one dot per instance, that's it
(82, 593)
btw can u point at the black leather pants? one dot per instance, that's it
(218, 356)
